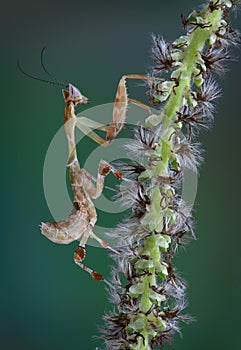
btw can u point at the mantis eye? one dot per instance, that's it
(74, 92)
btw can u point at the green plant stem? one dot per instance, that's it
(168, 116)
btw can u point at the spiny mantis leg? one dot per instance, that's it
(119, 113)
(121, 105)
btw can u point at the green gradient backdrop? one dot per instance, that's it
(46, 301)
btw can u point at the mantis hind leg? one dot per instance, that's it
(80, 254)
(104, 168)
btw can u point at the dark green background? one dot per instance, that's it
(46, 301)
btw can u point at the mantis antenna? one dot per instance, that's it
(54, 81)
(48, 73)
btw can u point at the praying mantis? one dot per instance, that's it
(79, 224)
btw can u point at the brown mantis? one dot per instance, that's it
(79, 224)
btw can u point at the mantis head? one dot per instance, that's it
(73, 94)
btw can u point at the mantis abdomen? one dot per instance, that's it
(67, 230)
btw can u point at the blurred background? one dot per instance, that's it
(46, 301)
